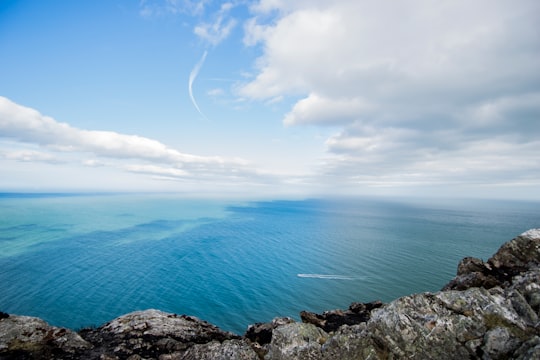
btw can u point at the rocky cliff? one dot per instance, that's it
(490, 310)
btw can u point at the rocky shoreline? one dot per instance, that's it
(490, 310)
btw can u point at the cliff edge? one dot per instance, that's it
(490, 310)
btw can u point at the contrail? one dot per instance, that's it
(192, 75)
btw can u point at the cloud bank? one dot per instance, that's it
(418, 91)
(136, 154)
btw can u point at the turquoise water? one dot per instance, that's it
(82, 260)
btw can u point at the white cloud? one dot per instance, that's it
(158, 170)
(212, 31)
(382, 49)
(94, 163)
(218, 30)
(419, 88)
(319, 110)
(29, 126)
(29, 156)
(253, 32)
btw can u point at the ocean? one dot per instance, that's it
(80, 260)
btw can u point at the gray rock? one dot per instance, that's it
(499, 343)
(31, 337)
(528, 284)
(350, 343)
(296, 341)
(519, 254)
(334, 319)
(261, 333)
(421, 326)
(470, 265)
(530, 349)
(155, 323)
(214, 350)
(514, 257)
(152, 333)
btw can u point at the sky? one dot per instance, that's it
(271, 98)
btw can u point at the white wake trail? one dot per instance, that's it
(192, 76)
(326, 276)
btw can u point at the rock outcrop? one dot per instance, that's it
(514, 257)
(153, 334)
(25, 337)
(334, 319)
(490, 310)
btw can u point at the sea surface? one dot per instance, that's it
(80, 260)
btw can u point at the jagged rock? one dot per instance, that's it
(528, 284)
(334, 319)
(420, 325)
(261, 333)
(477, 323)
(25, 337)
(530, 349)
(470, 265)
(214, 350)
(473, 272)
(499, 343)
(296, 341)
(151, 333)
(357, 307)
(519, 254)
(514, 257)
(351, 342)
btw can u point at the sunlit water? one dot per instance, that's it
(83, 260)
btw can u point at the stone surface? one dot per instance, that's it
(152, 333)
(491, 310)
(261, 333)
(514, 257)
(214, 350)
(334, 319)
(352, 342)
(27, 337)
(296, 341)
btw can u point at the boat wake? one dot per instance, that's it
(325, 276)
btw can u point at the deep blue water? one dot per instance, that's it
(79, 260)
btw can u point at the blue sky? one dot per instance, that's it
(271, 98)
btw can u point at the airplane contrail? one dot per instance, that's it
(192, 76)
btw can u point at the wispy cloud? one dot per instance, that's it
(158, 171)
(152, 8)
(192, 76)
(214, 25)
(216, 31)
